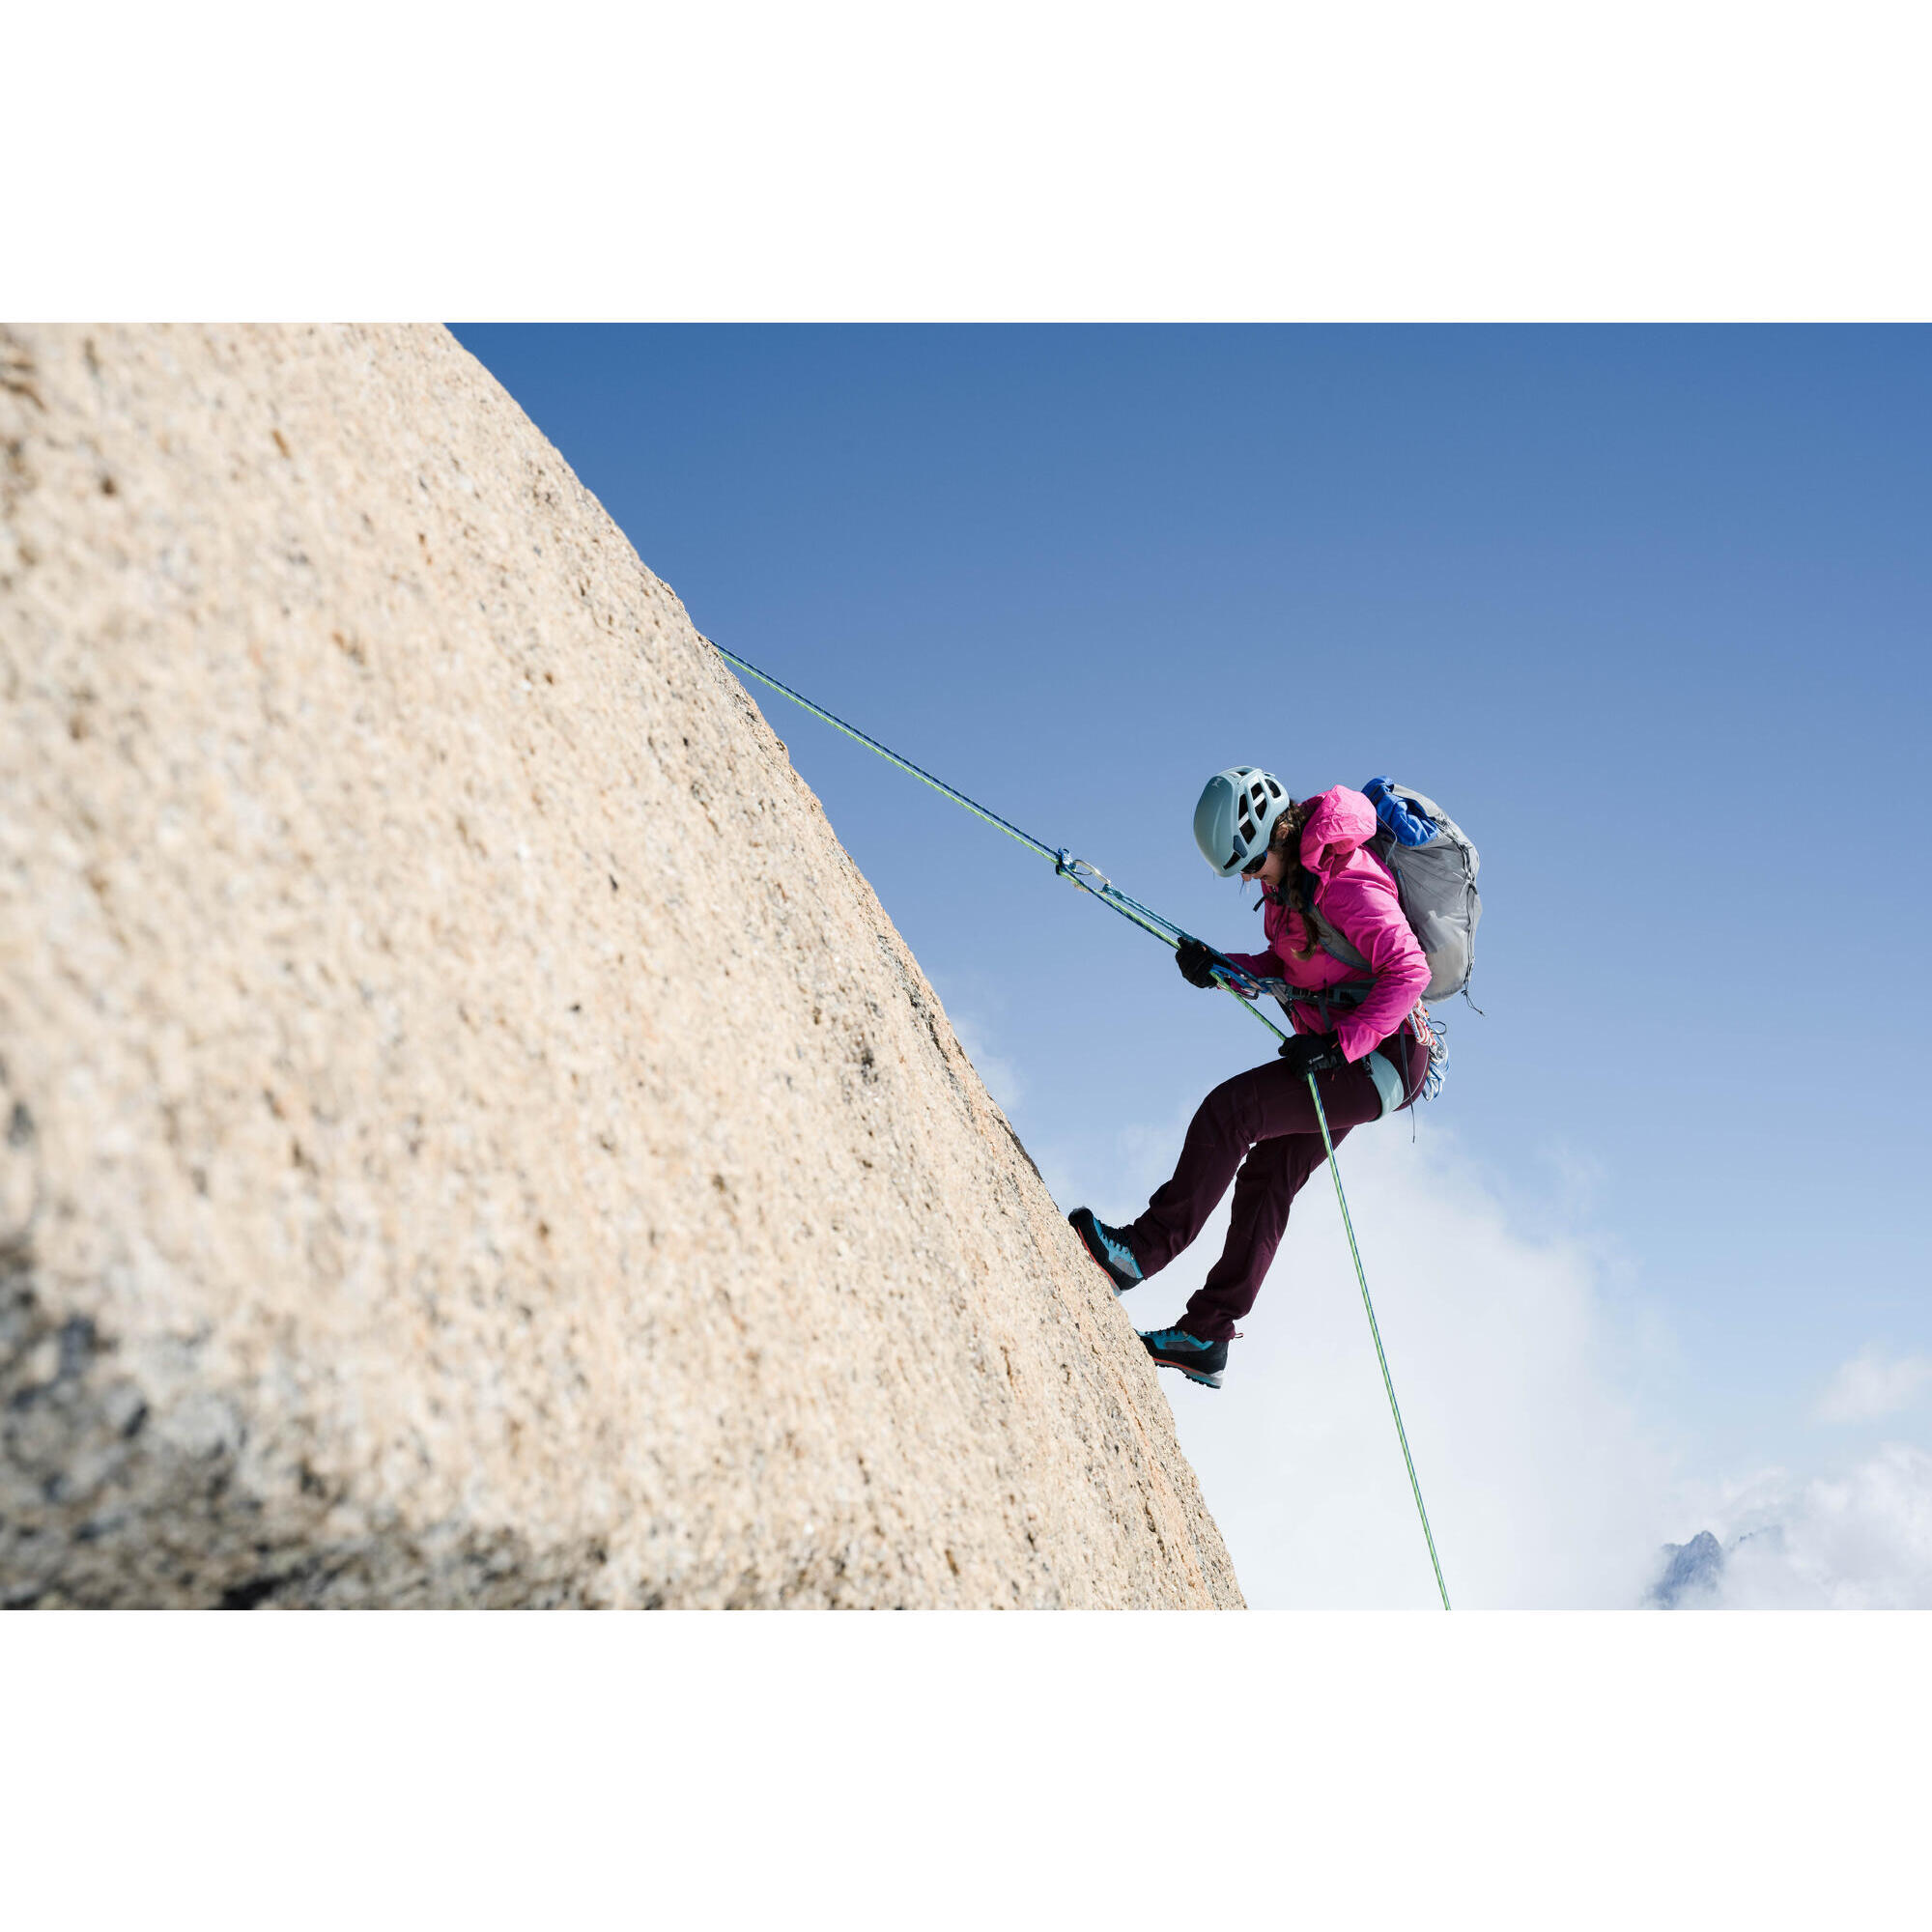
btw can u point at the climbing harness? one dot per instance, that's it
(1241, 986)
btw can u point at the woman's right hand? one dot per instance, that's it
(1196, 962)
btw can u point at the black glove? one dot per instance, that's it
(1313, 1053)
(1196, 962)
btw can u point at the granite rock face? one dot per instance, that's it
(468, 1135)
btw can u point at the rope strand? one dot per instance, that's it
(1064, 863)
(1374, 1330)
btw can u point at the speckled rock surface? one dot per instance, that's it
(393, 1211)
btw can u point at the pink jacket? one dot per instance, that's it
(1355, 892)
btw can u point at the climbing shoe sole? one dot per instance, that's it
(1212, 1381)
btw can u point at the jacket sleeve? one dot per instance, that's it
(1263, 965)
(1362, 903)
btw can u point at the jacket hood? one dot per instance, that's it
(1341, 822)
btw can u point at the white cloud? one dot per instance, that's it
(1520, 1381)
(1870, 1386)
(1542, 1488)
(1857, 1540)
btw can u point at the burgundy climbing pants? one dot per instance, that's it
(1258, 1130)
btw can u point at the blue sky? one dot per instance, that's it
(1646, 609)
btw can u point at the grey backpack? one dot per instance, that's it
(1434, 867)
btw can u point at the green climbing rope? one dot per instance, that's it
(1374, 1330)
(1083, 875)
(1077, 870)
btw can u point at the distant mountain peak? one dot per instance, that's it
(1690, 1568)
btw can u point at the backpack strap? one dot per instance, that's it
(1327, 934)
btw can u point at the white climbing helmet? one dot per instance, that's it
(1236, 813)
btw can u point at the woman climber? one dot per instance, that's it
(1359, 1030)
